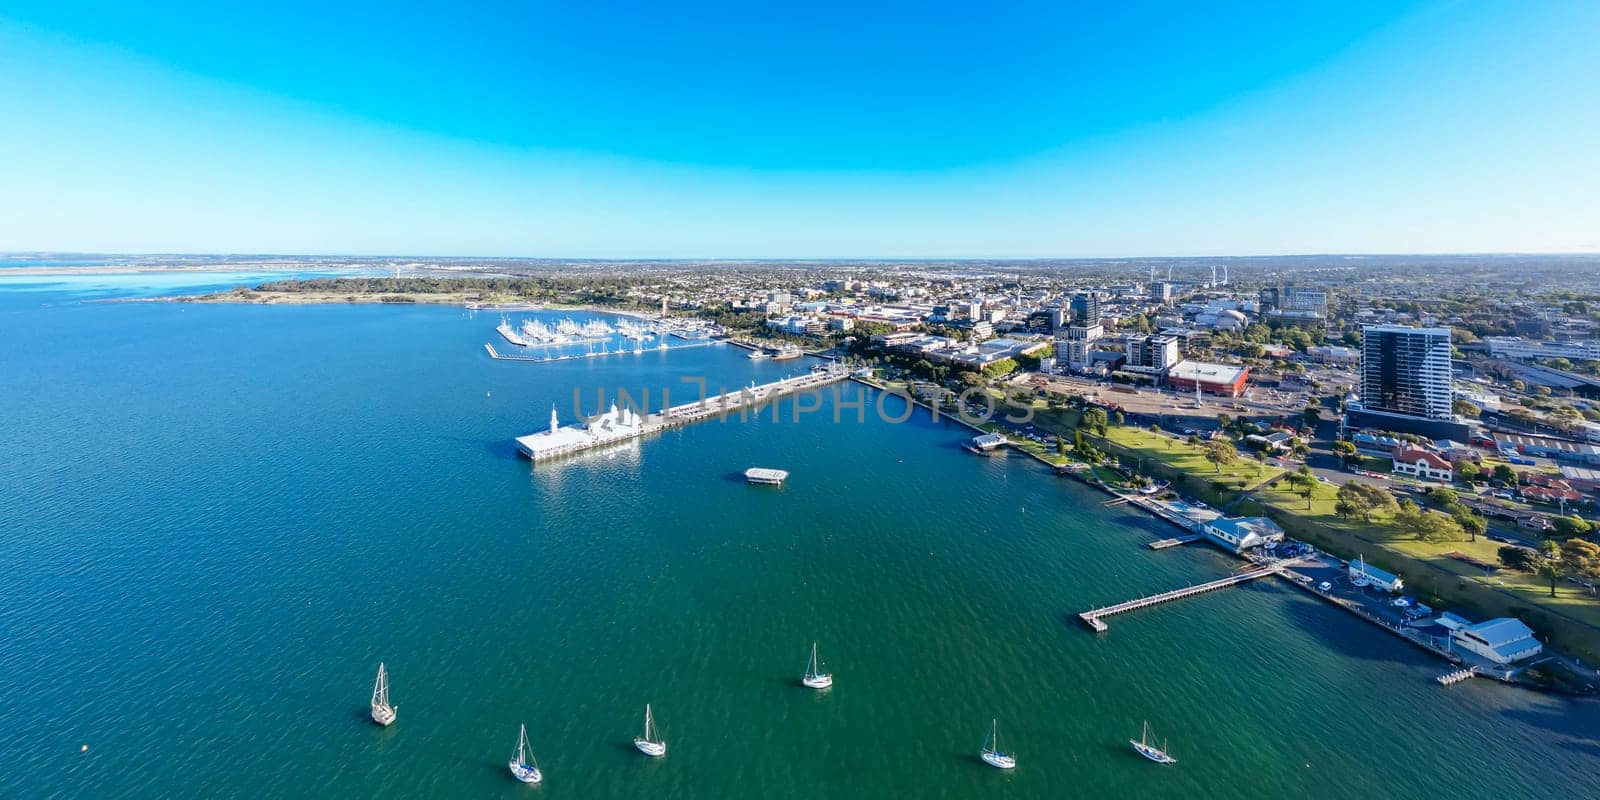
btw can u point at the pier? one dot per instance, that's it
(1162, 544)
(620, 425)
(1094, 619)
(499, 356)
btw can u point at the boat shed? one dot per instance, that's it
(1238, 534)
(1387, 581)
(1504, 641)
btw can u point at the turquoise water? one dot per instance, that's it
(218, 519)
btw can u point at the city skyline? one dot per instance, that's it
(714, 133)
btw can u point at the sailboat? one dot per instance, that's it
(382, 712)
(815, 678)
(1150, 751)
(992, 755)
(650, 744)
(523, 767)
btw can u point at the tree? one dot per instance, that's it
(1581, 557)
(1119, 420)
(1360, 499)
(1518, 558)
(1471, 523)
(1312, 415)
(1061, 446)
(1220, 452)
(1468, 472)
(1443, 497)
(1549, 564)
(1568, 527)
(1466, 408)
(1428, 526)
(1346, 451)
(1095, 419)
(1304, 482)
(1505, 475)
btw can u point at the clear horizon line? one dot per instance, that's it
(1012, 259)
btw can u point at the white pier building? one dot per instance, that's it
(613, 426)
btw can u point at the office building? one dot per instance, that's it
(1153, 354)
(1084, 309)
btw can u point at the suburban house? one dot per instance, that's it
(1422, 464)
(1239, 534)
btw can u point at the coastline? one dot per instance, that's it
(245, 296)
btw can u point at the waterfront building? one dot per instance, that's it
(613, 426)
(1218, 379)
(1360, 570)
(1422, 465)
(1238, 534)
(1503, 641)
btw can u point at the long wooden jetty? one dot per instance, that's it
(1095, 619)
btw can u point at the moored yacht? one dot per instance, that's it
(650, 743)
(815, 678)
(1150, 751)
(992, 754)
(523, 766)
(383, 712)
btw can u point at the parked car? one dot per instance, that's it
(1324, 586)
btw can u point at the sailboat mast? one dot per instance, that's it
(380, 690)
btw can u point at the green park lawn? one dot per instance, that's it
(1431, 573)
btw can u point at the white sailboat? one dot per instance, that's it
(650, 744)
(815, 678)
(523, 766)
(1150, 751)
(382, 712)
(992, 754)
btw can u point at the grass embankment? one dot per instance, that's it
(1571, 618)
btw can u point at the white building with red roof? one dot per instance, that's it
(1423, 465)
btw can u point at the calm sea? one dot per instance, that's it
(215, 521)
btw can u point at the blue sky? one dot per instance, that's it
(825, 130)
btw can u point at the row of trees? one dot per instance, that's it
(1577, 557)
